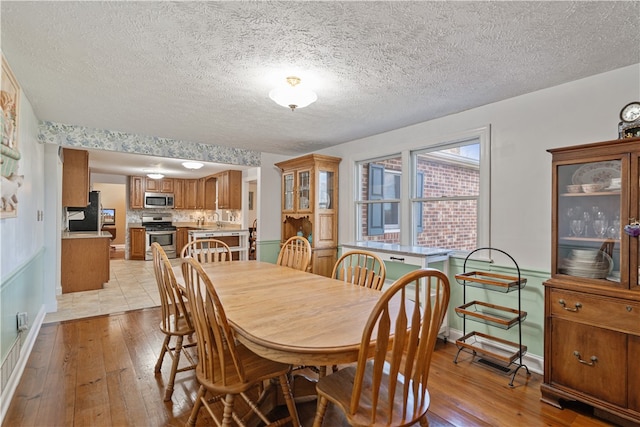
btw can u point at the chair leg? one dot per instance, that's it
(320, 411)
(424, 421)
(227, 415)
(288, 398)
(165, 345)
(191, 422)
(174, 369)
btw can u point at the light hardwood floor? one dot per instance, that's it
(98, 371)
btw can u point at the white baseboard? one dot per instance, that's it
(531, 361)
(25, 351)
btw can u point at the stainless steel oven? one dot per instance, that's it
(158, 229)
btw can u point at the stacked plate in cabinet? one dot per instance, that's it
(591, 263)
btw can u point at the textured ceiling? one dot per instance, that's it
(202, 71)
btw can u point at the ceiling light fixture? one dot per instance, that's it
(155, 175)
(293, 95)
(192, 165)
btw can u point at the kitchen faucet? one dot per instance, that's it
(218, 222)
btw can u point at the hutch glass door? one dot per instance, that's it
(590, 221)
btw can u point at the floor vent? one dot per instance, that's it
(10, 362)
(493, 365)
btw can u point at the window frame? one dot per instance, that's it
(408, 184)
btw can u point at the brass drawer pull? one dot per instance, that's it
(594, 359)
(564, 305)
(629, 308)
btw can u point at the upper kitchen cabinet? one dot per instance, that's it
(210, 192)
(178, 194)
(229, 189)
(310, 206)
(136, 192)
(75, 178)
(164, 185)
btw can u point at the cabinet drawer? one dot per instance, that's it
(573, 347)
(604, 312)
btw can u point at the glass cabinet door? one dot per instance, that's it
(590, 221)
(288, 188)
(325, 190)
(304, 189)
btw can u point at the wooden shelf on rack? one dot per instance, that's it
(492, 347)
(491, 281)
(491, 314)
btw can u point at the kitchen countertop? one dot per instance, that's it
(86, 234)
(226, 226)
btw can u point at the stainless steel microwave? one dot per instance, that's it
(158, 200)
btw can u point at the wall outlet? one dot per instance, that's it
(23, 321)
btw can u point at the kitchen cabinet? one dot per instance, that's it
(178, 193)
(592, 300)
(136, 192)
(210, 193)
(85, 262)
(137, 243)
(75, 178)
(182, 238)
(229, 189)
(310, 206)
(200, 193)
(190, 190)
(164, 185)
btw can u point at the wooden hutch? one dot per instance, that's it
(592, 300)
(310, 206)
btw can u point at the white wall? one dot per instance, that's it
(23, 236)
(522, 129)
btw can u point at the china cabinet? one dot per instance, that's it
(592, 300)
(310, 206)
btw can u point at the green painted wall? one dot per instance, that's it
(23, 288)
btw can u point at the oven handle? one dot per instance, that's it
(161, 232)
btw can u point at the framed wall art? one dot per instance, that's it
(10, 154)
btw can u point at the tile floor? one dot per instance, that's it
(132, 286)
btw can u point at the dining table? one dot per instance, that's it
(292, 316)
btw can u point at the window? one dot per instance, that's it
(447, 191)
(379, 199)
(433, 196)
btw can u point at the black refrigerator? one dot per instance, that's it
(92, 215)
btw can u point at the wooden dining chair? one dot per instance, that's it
(360, 268)
(226, 367)
(207, 250)
(295, 253)
(176, 321)
(390, 389)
